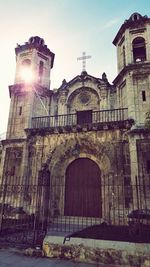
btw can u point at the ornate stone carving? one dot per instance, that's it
(84, 97)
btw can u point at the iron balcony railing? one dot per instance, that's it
(101, 116)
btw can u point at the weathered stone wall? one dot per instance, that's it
(20, 113)
(58, 149)
(143, 148)
(13, 161)
(54, 152)
(143, 155)
(111, 253)
(130, 94)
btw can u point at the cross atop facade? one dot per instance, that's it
(83, 58)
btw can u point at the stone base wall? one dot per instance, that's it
(111, 253)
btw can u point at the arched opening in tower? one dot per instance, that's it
(139, 49)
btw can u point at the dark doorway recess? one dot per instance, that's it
(83, 189)
(84, 116)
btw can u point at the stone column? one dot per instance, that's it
(134, 168)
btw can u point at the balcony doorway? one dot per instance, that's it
(84, 116)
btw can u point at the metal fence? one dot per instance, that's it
(23, 219)
(28, 211)
(100, 116)
(77, 208)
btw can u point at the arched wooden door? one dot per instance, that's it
(83, 189)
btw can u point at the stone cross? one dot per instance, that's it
(83, 58)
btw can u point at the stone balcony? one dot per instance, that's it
(83, 121)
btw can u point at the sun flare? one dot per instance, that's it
(26, 75)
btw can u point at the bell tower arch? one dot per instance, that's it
(34, 61)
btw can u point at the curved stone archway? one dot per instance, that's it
(83, 189)
(80, 99)
(65, 154)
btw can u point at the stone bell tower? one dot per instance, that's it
(32, 83)
(133, 59)
(133, 88)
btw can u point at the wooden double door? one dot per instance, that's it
(83, 189)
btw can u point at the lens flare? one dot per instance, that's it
(26, 75)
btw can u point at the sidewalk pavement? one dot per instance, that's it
(15, 258)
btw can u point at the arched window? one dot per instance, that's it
(139, 49)
(26, 62)
(41, 68)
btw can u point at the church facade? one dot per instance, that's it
(84, 143)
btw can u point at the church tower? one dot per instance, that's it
(30, 94)
(133, 59)
(133, 87)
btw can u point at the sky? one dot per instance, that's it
(68, 27)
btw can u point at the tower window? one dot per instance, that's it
(139, 50)
(41, 68)
(143, 96)
(148, 166)
(20, 111)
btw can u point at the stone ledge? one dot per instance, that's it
(13, 141)
(103, 126)
(98, 251)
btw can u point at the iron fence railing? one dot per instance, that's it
(34, 208)
(21, 214)
(116, 200)
(101, 116)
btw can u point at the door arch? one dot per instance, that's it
(83, 189)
